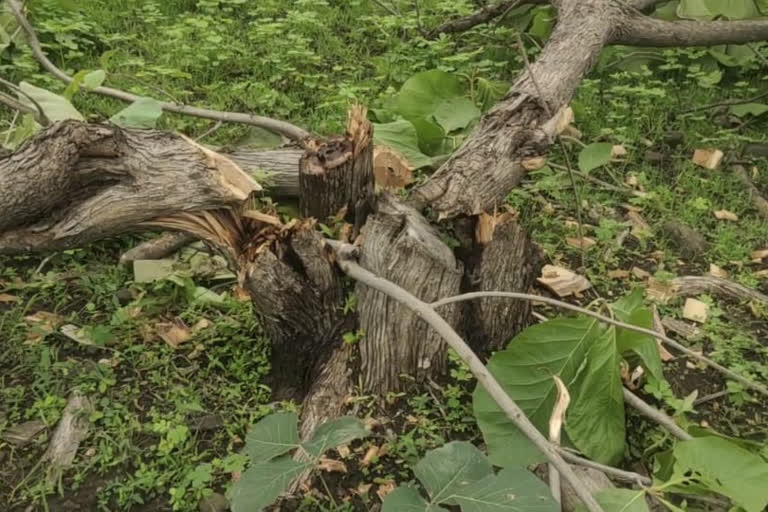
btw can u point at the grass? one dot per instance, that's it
(305, 61)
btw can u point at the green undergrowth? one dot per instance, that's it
(168, 423)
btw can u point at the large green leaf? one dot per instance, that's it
(631, 309)
(142, 113)
(401, 136)
(708, 9)
(525, 369)
(274, 435)
(431, 137)
(754, 109)
(543, 22)
(436, 95)
(619, 500)
(260, 485)
(725, 468)
(762, 6)
(334, 433)
(514, 489)
(595, 418)
(452, 469)
(595, 155)
(407, 499)
(55, 107)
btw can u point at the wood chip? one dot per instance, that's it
(640, 227)
(385, 488)
(331, 465)
(681, 328)
(173, 333)
(716, 271)
(762, 274)
(695, 310)
(390, 168)
(639, 273)
(618, 150)
(531, 164)
(262, 217)
(726, 215)
(660, 291)
(759, 255)
(707, 158)
(372, 452)
(5, 298)
(618, 274)
(563, 282)
(565, 118)
(581, 243)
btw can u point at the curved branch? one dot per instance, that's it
(274, 125)
(640, 30)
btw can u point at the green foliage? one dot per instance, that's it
(620, 500)
(595, 155)
(460, 474)
(55, 107)
(142, 113)
(272, 469)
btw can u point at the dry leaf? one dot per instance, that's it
(390, 168)
(174, 334)
(563, 282)
(726, 215)
(618, 274)
(618, 150)
(558, 411)
(5, 298)
(385, 488)
(531, 164)
(716, 271)
(372, 452)
(638, 222)
(331, 465)
(41, 324)
(707, 158)
(581, 243)
(695, 310)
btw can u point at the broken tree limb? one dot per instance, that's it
(274, 125)
(641, 30)
(158, 248)
(697, 285)
(564, 305)
(74, 183)
(346, 253)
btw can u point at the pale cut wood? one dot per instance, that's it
(695, 310)
(563, 282)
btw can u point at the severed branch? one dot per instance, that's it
(564, 305)
(274, 125)
(641, 30)
(346, 254)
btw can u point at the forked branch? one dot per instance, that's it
(274, 125)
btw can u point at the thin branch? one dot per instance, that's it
(619, 474)
(710, 397)
(564, 305)
(38, 110)
(726, 103)
(641, 30)
(656, 415)
(15, 104)
(345, 254)
(479, 17)
(274, 125)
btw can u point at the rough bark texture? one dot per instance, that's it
(74, 183)
(401, 246)
(336, 175)
(487, 166)
(639, 30)
(504, 259)
(299, 294)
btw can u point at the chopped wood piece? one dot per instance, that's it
(640, 273)
(716, 271)
(618, 150)
(681, 328)
(759, 255)
(563, 282)
(618, 274)
(695, 310)
(660, 291)
(581, 243)
(71, 430)
(726, 215)
(708, 158)
(23, 433)
(531, 164)
(564, 119)
(390, 168)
